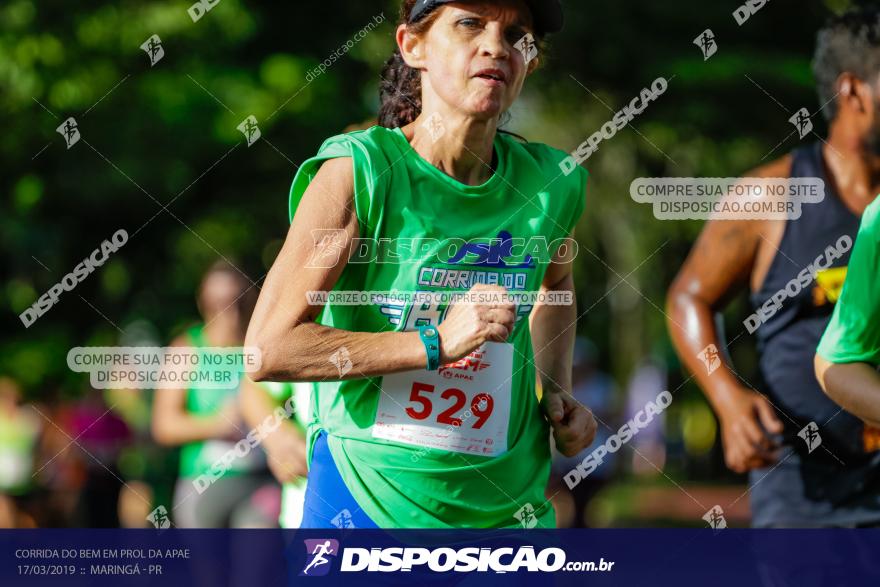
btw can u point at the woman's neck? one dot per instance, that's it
(460, 147)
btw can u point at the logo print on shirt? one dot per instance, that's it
(871, 438)
(829, 285)
(491, 254)
(462, 368)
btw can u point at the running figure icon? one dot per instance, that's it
(321, 549)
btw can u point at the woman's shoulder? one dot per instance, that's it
(378, 137)
(373, 149)
(546, 157)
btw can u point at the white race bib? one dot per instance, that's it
(462, 407)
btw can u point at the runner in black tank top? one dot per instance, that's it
(837, 483)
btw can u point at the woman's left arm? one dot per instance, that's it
(853, 386)
(553, 332)
(849, 352)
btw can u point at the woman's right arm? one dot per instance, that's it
(292, 346)
(295, 348)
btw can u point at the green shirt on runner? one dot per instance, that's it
(468, 445)
(853, 335)
(199, 457)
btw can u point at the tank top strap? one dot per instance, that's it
(805, 239)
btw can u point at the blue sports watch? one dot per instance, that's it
(431, 339)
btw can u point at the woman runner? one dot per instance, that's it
(425, 413)
(205, 421)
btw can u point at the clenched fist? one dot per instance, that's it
(472, 322)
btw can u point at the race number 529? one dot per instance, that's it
(461, 407)
(422, 394)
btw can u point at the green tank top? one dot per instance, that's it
(196, 458)
(467, 445)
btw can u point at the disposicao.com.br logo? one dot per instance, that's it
(442, 560)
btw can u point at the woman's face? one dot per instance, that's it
(469, 58)
(219, 293)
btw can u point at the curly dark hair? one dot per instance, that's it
(400, 89)
(847, 43)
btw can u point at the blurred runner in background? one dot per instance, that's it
(772, 433)
(19, 434)
(95, 435)
(207, 423)
(285, 445)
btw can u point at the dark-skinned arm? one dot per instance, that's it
(718, 268)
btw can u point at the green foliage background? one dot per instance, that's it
(166, 135)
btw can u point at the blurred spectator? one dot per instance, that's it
(649, 445)
(148, 469)
(95, 436)
(19, 433)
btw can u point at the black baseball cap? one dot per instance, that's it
(547, 14)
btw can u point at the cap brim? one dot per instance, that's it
(547, 15)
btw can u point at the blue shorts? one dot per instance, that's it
(328, 502)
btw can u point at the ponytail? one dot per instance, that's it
(400, 89)
(400, 92)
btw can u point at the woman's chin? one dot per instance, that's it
(486, 110)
